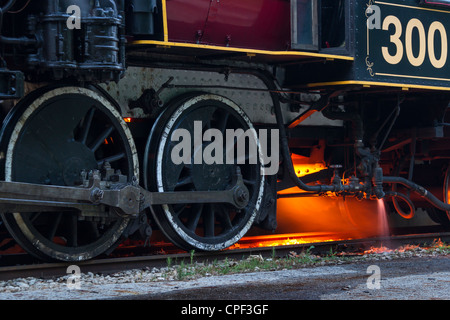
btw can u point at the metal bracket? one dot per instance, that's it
(317, 106)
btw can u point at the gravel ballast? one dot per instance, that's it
(410, 274)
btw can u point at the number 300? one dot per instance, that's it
(415, 60)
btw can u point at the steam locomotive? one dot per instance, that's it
(99, 98)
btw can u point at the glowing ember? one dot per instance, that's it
(437, 243)
(382, 249)
(287, 239)
(281, 242)
(378, 250)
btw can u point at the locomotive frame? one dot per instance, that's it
(332, 77)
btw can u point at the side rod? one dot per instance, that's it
(130, 199)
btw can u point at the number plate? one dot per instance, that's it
(402, 42)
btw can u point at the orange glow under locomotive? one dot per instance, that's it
(321, 219)
(318, 219)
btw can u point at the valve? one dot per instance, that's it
(336, 181)
(377, 181)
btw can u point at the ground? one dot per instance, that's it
(405, 279)
(415, 278)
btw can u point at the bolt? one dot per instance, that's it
(241, 195)
(97, 195)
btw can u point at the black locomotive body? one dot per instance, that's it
(99, 98)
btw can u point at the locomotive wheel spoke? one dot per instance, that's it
(194, 216)
(35, 216)
(55, 224)
(87, 126)
(202, 226)
(101, 138)
(113, 158)
(71, 130)
(208, 221)
(222, 123)
(72, 240)
(249, 182)
(178, 209)
(185, 181)
(224, 218)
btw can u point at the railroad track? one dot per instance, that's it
(111, 265)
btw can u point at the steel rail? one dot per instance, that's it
(112, 265)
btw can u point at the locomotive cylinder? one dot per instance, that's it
(91, 49)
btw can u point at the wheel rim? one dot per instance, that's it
(205, 227)
(50, 141)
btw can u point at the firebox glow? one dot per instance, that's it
(321, 219)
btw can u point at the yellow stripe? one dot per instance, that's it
(408, 76)
(165, 28)
(410, 7)
(380, 84)
(248, 51)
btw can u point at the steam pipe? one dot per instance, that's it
(4, 9)
(23, 41)
(8, 6)
(285, 149)
(405, 198)
(15, 41)
(424, 193)
(284, 145)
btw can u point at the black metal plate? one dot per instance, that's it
(405, 43)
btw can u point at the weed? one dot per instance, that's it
(257, 263)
